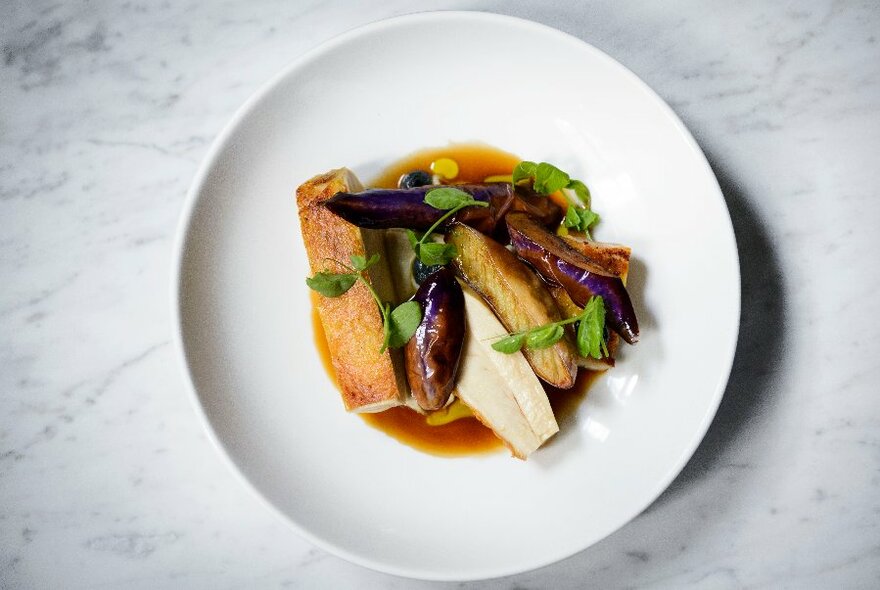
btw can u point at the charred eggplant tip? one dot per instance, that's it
(628, 335)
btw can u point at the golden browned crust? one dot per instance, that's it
(612, 258)
(368, 381)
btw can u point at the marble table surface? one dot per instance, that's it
(107, 479)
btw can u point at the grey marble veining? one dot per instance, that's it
(106, 478)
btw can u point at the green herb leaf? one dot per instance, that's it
(403, 322)
(581, 191)
(398, 325)
(415, 241)
(549, 179)
(385, 310)
(523, 171)
(591, 331)
(331, 284)
(588, 218)
(447, 198)
(451, 200)
(510, 344)
(545, 337)
(579, 219)
(413, 237)
(572, 219)
(360, 263)
(590, 334)
(582, 339)
(435, 253)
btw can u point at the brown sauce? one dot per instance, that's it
(466, 436)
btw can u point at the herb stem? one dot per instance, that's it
(360, 277)
(564, 322)
(383, 309)
(372, 292)
(448, 214)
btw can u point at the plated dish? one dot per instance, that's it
(468, 290)
(243, 314)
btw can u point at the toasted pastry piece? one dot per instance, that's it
(501, 389)
(368, 381)
(519, 298)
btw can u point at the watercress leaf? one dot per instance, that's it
(580, 338)
(571, 219)
(588, 218)
(591, 332)
(509, 344)
(402, 323)
(581, 190)
(331, 284)
(371, 261)
(414, 241)
(583, 339)
(413, 237)
(544, 337)
(524, 170)
(579, 219)
(436, 253)
(358, 262)
(549, 179)
(447, 198)
(385, 309)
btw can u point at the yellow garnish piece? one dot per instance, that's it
(445, 167)
(499, 178)
(454, 411)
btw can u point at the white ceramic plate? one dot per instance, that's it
(362, 100)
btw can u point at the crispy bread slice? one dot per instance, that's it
(368, 381)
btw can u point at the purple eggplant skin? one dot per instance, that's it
(433, 353)
(389, 208)
(560, 264)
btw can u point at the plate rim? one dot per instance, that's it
(192, 199)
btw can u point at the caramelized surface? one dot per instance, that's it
(466, 436)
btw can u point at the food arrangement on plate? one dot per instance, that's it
(455, 294)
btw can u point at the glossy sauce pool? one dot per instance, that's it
(466, 436)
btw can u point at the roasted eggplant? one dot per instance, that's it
(519, 298)
(406, 208)
(433, 353)
(560, 264)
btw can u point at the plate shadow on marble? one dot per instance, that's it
(761, 341)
